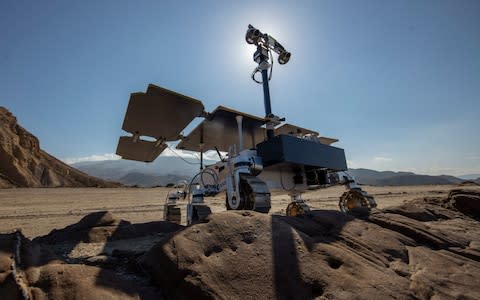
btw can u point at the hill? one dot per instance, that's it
(470, 176)
(381, 178)
(164, 170)
(24, 164)
(149, 180)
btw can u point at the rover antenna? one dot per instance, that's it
(265, 44)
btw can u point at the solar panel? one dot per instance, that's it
(140, 150)
(293, 130)
(220, 130)
(327, 140)
(160, 113)
(290, 129)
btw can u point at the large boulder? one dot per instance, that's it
(424, 249)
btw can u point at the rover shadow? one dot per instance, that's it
(289, 235)
(116, 260)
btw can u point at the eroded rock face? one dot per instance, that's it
(24, 164)
(424, 249)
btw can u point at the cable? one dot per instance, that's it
(196, 155)
(271, 66)
(189, 192)
(257, 69)
(188, 162)
(210, 172)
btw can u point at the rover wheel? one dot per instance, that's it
(356, 200)
(173, 214)
(233, 204)
(294, 209)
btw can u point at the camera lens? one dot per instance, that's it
(252, 35)
(284, 57)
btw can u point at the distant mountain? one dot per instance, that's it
(24, 164)
(149, 180)
(471, 182)
(380, 178)
(470, 176)
(164, 170)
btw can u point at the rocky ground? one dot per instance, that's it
(428, 248)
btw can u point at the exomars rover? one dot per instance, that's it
(261, 153)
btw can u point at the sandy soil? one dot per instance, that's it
(38, 211)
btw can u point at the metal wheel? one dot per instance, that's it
(173, 214)
(295, 209)
(233, 204)
(247, 198)
(198, 213)
(254, 195)
(246, 192)
(356, 200)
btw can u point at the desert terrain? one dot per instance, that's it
(110, 243)
(38, 211)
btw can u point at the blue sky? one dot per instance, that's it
(398, 82)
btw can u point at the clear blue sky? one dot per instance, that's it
(398, 82)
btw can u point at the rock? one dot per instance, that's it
(23, 275)
(74, 281)
(101, 227)
(24, 164)
(442, 274)
(424, 249)
(466, 201)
